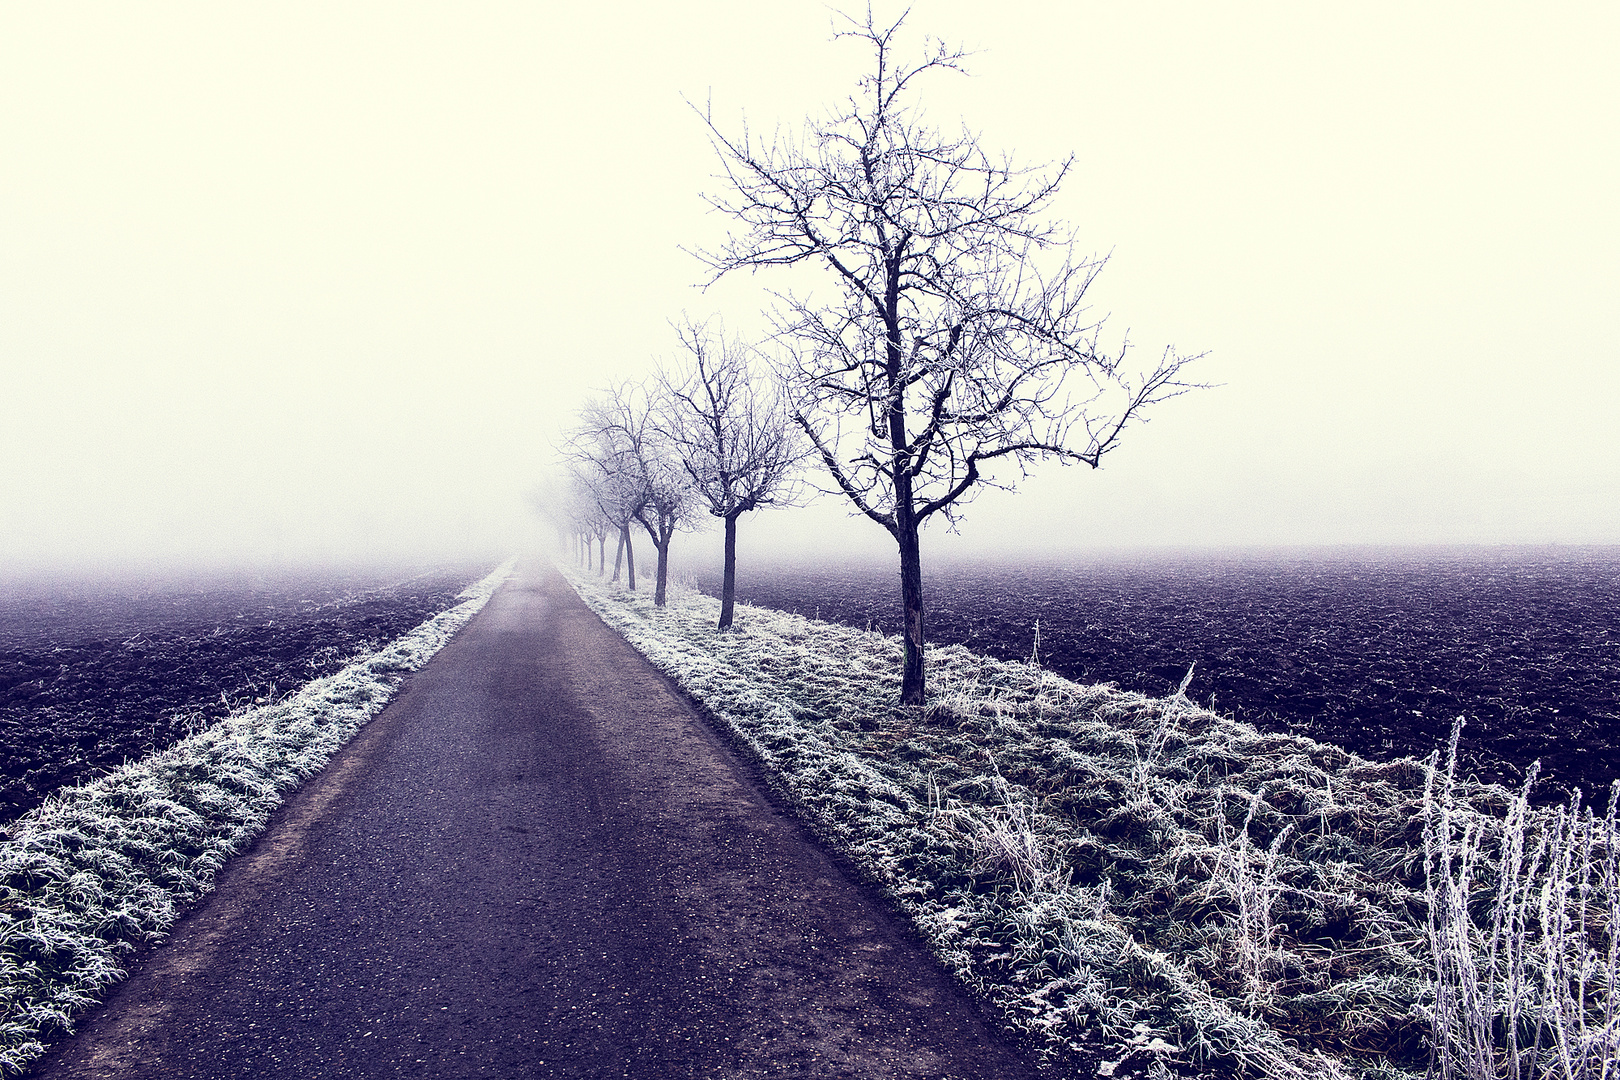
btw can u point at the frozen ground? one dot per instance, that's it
(1144, 885)
(1373, 650)
(104, 865)
(94, 674)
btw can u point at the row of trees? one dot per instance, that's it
(944, 343)
(709, 437)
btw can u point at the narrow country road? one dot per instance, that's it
(536, 862)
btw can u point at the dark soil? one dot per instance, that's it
(1375, 651)
(92, 675)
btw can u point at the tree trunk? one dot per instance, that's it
(589, 553)
(601, 554)
(728, 576)
(659, 589)
(911, 605)
(618, 556)
(912, 691)
(630, 558)
(660, 537)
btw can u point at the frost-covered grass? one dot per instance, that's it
(105, 865)
(1150, 885)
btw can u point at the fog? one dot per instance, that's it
(306, 283)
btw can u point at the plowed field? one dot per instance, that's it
(94, 674)
(1376, 651)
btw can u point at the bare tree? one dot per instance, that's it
(591, 521)
(731, 426)
(570, 511)
(955, 336)
(618, 496)
(605, 473)
(629, 446)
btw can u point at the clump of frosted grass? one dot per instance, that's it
(1141, 884)
(1531, 990)
(104, 865)
(1003, 839)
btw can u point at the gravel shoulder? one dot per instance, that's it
(537, 861)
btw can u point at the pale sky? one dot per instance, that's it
(310, 280)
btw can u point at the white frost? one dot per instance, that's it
(103, 865)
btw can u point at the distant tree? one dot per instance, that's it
(613, 491)
(578, 535)
(620, 515)
(605, 473)
(731, 426)
(632, 451)
(591, 522)
(565, 507)
(954, 336)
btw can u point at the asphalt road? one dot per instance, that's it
(538, 861)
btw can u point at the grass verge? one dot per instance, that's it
(1142, 886)
(105, 865)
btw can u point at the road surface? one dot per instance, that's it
(538, 861)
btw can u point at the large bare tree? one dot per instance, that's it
(731, 426)
(948, 333)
